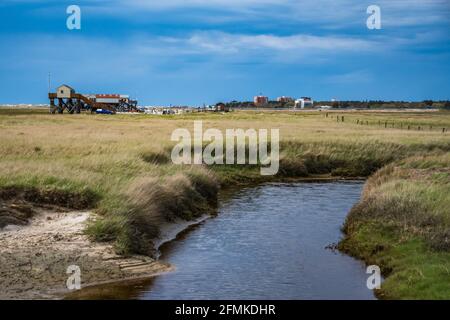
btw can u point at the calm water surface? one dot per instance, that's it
(266, 242)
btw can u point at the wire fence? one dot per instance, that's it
(388, 124)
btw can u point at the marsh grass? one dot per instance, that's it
(150, 202)
(120, 167)
(406, 205)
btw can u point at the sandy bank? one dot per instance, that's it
(34, 257)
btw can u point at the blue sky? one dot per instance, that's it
(205, 51)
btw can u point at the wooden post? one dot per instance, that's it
(357, 121)
(385, 124)
(342, 118)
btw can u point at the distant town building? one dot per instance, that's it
(222, 107)
(304, 102)
(260, 101)
(284, 99)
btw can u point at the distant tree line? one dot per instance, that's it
(366, 104)
(250, 104)
(382, 104)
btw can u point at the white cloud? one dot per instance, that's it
(234, 43)
(136, 52)
(140, 55)
(327, 13)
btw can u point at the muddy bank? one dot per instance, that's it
(34, 256)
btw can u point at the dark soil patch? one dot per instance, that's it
(15, 213)
(18, 205)
(78, 201)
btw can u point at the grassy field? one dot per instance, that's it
(120, 166)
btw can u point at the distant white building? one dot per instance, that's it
(304, 102)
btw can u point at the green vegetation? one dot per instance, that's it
(403, 224)
(120, 167)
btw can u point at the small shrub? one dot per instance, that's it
(155, 157)
(151, 202)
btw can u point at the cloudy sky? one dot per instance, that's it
(205, 51)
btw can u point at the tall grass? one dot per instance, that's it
(150, 202)
(405, 210)
(120, 166)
